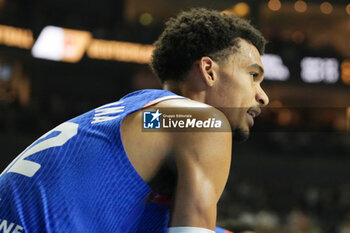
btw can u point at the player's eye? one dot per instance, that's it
(254, 75)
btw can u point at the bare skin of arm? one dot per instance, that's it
(201, 159)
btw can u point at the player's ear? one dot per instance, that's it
(206, 67)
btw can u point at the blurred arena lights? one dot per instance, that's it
(16, 37)
(345, 71)
(274, 5)
(71, 46)
(317, 69)
(146, 19)
(327, 68)
(348, 9)
(241, 9)
(6, 71)
(300, 6)
(60, 44)
(326, 8)
(120, 51)
(274, 67)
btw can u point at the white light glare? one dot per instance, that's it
(274, 67)
(316, 69)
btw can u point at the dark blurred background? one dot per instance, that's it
(292, 175)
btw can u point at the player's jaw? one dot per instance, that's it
(242, 120)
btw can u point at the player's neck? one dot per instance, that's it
(183, 89)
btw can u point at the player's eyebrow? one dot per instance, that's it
(257, 66)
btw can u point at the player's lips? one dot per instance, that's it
(252, 113)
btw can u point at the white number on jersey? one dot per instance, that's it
(28, 168)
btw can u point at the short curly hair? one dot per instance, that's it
(196, 33)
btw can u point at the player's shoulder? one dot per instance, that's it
(183, 102)
(203, 123)
(194, 108)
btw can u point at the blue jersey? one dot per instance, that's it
(221, 230)
(78, 178)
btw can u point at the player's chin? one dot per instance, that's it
(240, 135)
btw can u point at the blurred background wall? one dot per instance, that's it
(292, 175)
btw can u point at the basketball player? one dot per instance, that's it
(99, 172)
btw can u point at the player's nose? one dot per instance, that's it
(261, 97)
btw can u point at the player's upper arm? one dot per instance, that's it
(203, 162)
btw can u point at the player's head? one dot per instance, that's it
(217, 55)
